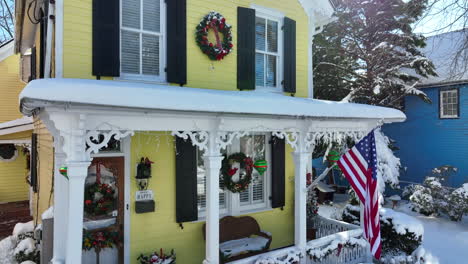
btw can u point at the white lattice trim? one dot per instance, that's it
(291, 137)
(198, 138)
(93, 135)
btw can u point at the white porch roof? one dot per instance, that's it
(18, 125)
(174, 98)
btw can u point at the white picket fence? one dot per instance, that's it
(337, 243)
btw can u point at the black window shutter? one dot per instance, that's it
(33, 166)
(289, 82)
(176, 21)
(245, 48)
(277, 172)
(186, 181)
(106, 38)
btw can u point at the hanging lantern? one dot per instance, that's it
(333, 156)
(63, 171)
(260, 166)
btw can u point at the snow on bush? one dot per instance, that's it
(7, 246)
(433, 198)
(21, 246)
(419, 256)
(388, 167)
(400, 232)
(22, 228)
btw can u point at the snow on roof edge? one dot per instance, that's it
(167, 97)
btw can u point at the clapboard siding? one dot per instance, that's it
(426, 141)
(10, 87)
(13, 186)
(201, 72)
(45, 170)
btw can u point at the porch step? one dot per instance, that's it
(11, 214)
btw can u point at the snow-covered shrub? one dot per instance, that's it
(388, 166)
(21, 246)
(458, 203)
(400, 232)
(431, 197)
(27, 250)
(351, 214)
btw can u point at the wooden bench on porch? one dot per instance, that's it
(240, 237)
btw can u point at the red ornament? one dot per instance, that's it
(211, 44)
(88, 202)
(223, 20)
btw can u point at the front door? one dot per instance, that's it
(104, 211)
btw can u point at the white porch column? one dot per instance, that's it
(301, 160)
(77, 172)
(212, 159)
(60, 207)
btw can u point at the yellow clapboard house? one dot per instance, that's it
(15, 130)
(169, 124)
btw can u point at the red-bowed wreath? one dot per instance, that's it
(223, 45)
(245, 175)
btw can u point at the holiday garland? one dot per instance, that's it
(157, 258)
(99, 199)
(227, 172)
(100, 239)
(216, 22)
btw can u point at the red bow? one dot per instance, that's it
(232, 171)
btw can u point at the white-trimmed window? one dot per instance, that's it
(268, 46)
(142, 42)
(256, 197)
(449, 103)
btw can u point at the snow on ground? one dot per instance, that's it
(7, 246)
(445, 239)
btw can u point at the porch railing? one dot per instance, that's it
(337, 243)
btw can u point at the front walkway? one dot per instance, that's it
(444, 239)
(12, 213)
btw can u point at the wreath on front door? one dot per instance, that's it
(237, 164)
(223, 45)
(99, 199)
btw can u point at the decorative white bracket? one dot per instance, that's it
(201, 138)
(92, 137)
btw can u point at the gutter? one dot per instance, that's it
(48, 55)
(441, 84)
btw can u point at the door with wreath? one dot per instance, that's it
(104, 211)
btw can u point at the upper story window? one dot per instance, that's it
(267, 50)
(142, 39)
(448, 106)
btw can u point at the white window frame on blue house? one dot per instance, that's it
(161, 78)
(449, 103)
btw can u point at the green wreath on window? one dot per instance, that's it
(216, 22)
(245, 173)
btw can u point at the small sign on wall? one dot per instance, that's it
(144, 201)
(144, 195)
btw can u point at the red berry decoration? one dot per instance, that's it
(222, 31)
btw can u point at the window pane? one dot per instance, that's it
(272, 36)
(151, 15)
(244, 196)
(260, 33)
(150, 54)
(271, 71)
(201, 185)
(259, 69)
(131, 13)
(130, 52)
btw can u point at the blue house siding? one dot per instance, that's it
(426, 141)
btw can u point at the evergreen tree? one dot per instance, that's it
(370, 54)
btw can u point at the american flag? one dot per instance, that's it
(359, 165)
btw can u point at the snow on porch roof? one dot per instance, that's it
(167, 97)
